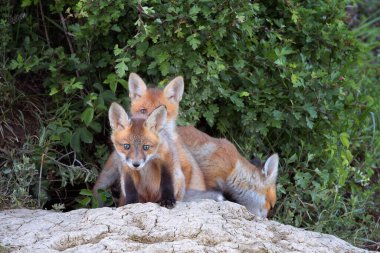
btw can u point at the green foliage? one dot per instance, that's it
(282, 76)
(58, 207)
(15, 184)
(88, 200)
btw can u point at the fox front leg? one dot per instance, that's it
(167, 188)
(106, 178)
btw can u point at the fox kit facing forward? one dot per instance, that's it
(148, 172)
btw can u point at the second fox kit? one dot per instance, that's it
(225, 169)
(222, 166)
(148, 172)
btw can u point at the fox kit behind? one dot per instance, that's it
(148, 172)
(225, 169)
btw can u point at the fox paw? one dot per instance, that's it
(168, 203)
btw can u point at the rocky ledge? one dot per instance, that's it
(205, 226)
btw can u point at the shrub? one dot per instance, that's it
(272, 76)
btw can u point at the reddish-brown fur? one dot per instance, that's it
(217, 165)
(221, 163)
(217, 158)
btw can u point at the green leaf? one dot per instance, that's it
(309, 123)
(295, 16)
(256, 6)
(344, 138)
(113, 86)
(237, 100)
(141, 48)
(123, 83)
(293, 158)
(244, 94)
(116, 28)
(165, 68)
(87, 115)
(194, 10)
(85, 192)
(281, 61)
(84, 202)
(193, 41)
(117, 51)
(53, 91)
(121, 69)
(96, 126)
(75, 141)
(85, 135)
(311, 110)
(277, 115)
(210, 114)
(66, 137)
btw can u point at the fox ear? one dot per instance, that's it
(174, 90)
(136, 86)
(117, 116)
(157, 119)
(270, 169)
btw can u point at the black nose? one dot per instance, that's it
(136, 164)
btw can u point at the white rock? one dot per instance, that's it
(205, 226)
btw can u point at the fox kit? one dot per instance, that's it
(224, 169)
(143, 158)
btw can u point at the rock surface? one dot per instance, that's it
(205, 226)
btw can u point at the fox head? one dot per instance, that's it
(145, 100)
(136, 140)
(255, 191)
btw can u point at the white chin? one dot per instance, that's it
(130, 165)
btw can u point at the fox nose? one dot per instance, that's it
(136, 164)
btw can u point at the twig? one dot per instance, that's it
(140, 9)
(67, 37)
(44, 24)
(40, 179)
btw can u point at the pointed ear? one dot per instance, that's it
(136, 86)
(157, 119)
(117, 116)
(174, 90)
(270, 169)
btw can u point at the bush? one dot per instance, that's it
(272, 76)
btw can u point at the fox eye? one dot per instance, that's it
(146, 147)
(126, 146)
(143, 111)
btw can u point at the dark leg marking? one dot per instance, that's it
(167, 188)
(130, 190)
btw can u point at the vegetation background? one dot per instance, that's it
(300, 78)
